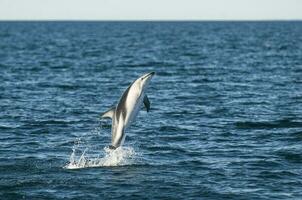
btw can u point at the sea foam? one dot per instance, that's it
(106, 158)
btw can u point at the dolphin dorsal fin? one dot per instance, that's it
(147, 103)
(109, 113)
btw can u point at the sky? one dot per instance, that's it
(150, 9)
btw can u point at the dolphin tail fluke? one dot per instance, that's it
(109, 113)
(111, 147)
(147, 103)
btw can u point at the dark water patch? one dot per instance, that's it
(290, 156)
(179, 112)
(284, 123)
(174, 138)
(276, 175)
(66, 87)
(169, 129)
(49, 122)
(297, 135)
(265, 164)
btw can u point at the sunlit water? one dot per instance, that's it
(225, 119)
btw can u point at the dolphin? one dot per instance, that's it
(127, 109)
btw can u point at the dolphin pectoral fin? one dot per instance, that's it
(147, 103)
(109, 113)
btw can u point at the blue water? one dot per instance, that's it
(225, 119)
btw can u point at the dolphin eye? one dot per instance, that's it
(141, 78)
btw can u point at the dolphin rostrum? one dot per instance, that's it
(127, 109)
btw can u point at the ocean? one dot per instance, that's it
(225, 119)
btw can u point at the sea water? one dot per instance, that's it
(225, 119)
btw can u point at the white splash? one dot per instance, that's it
(118, 157)
(86, 153)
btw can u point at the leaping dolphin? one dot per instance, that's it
(127, 109)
